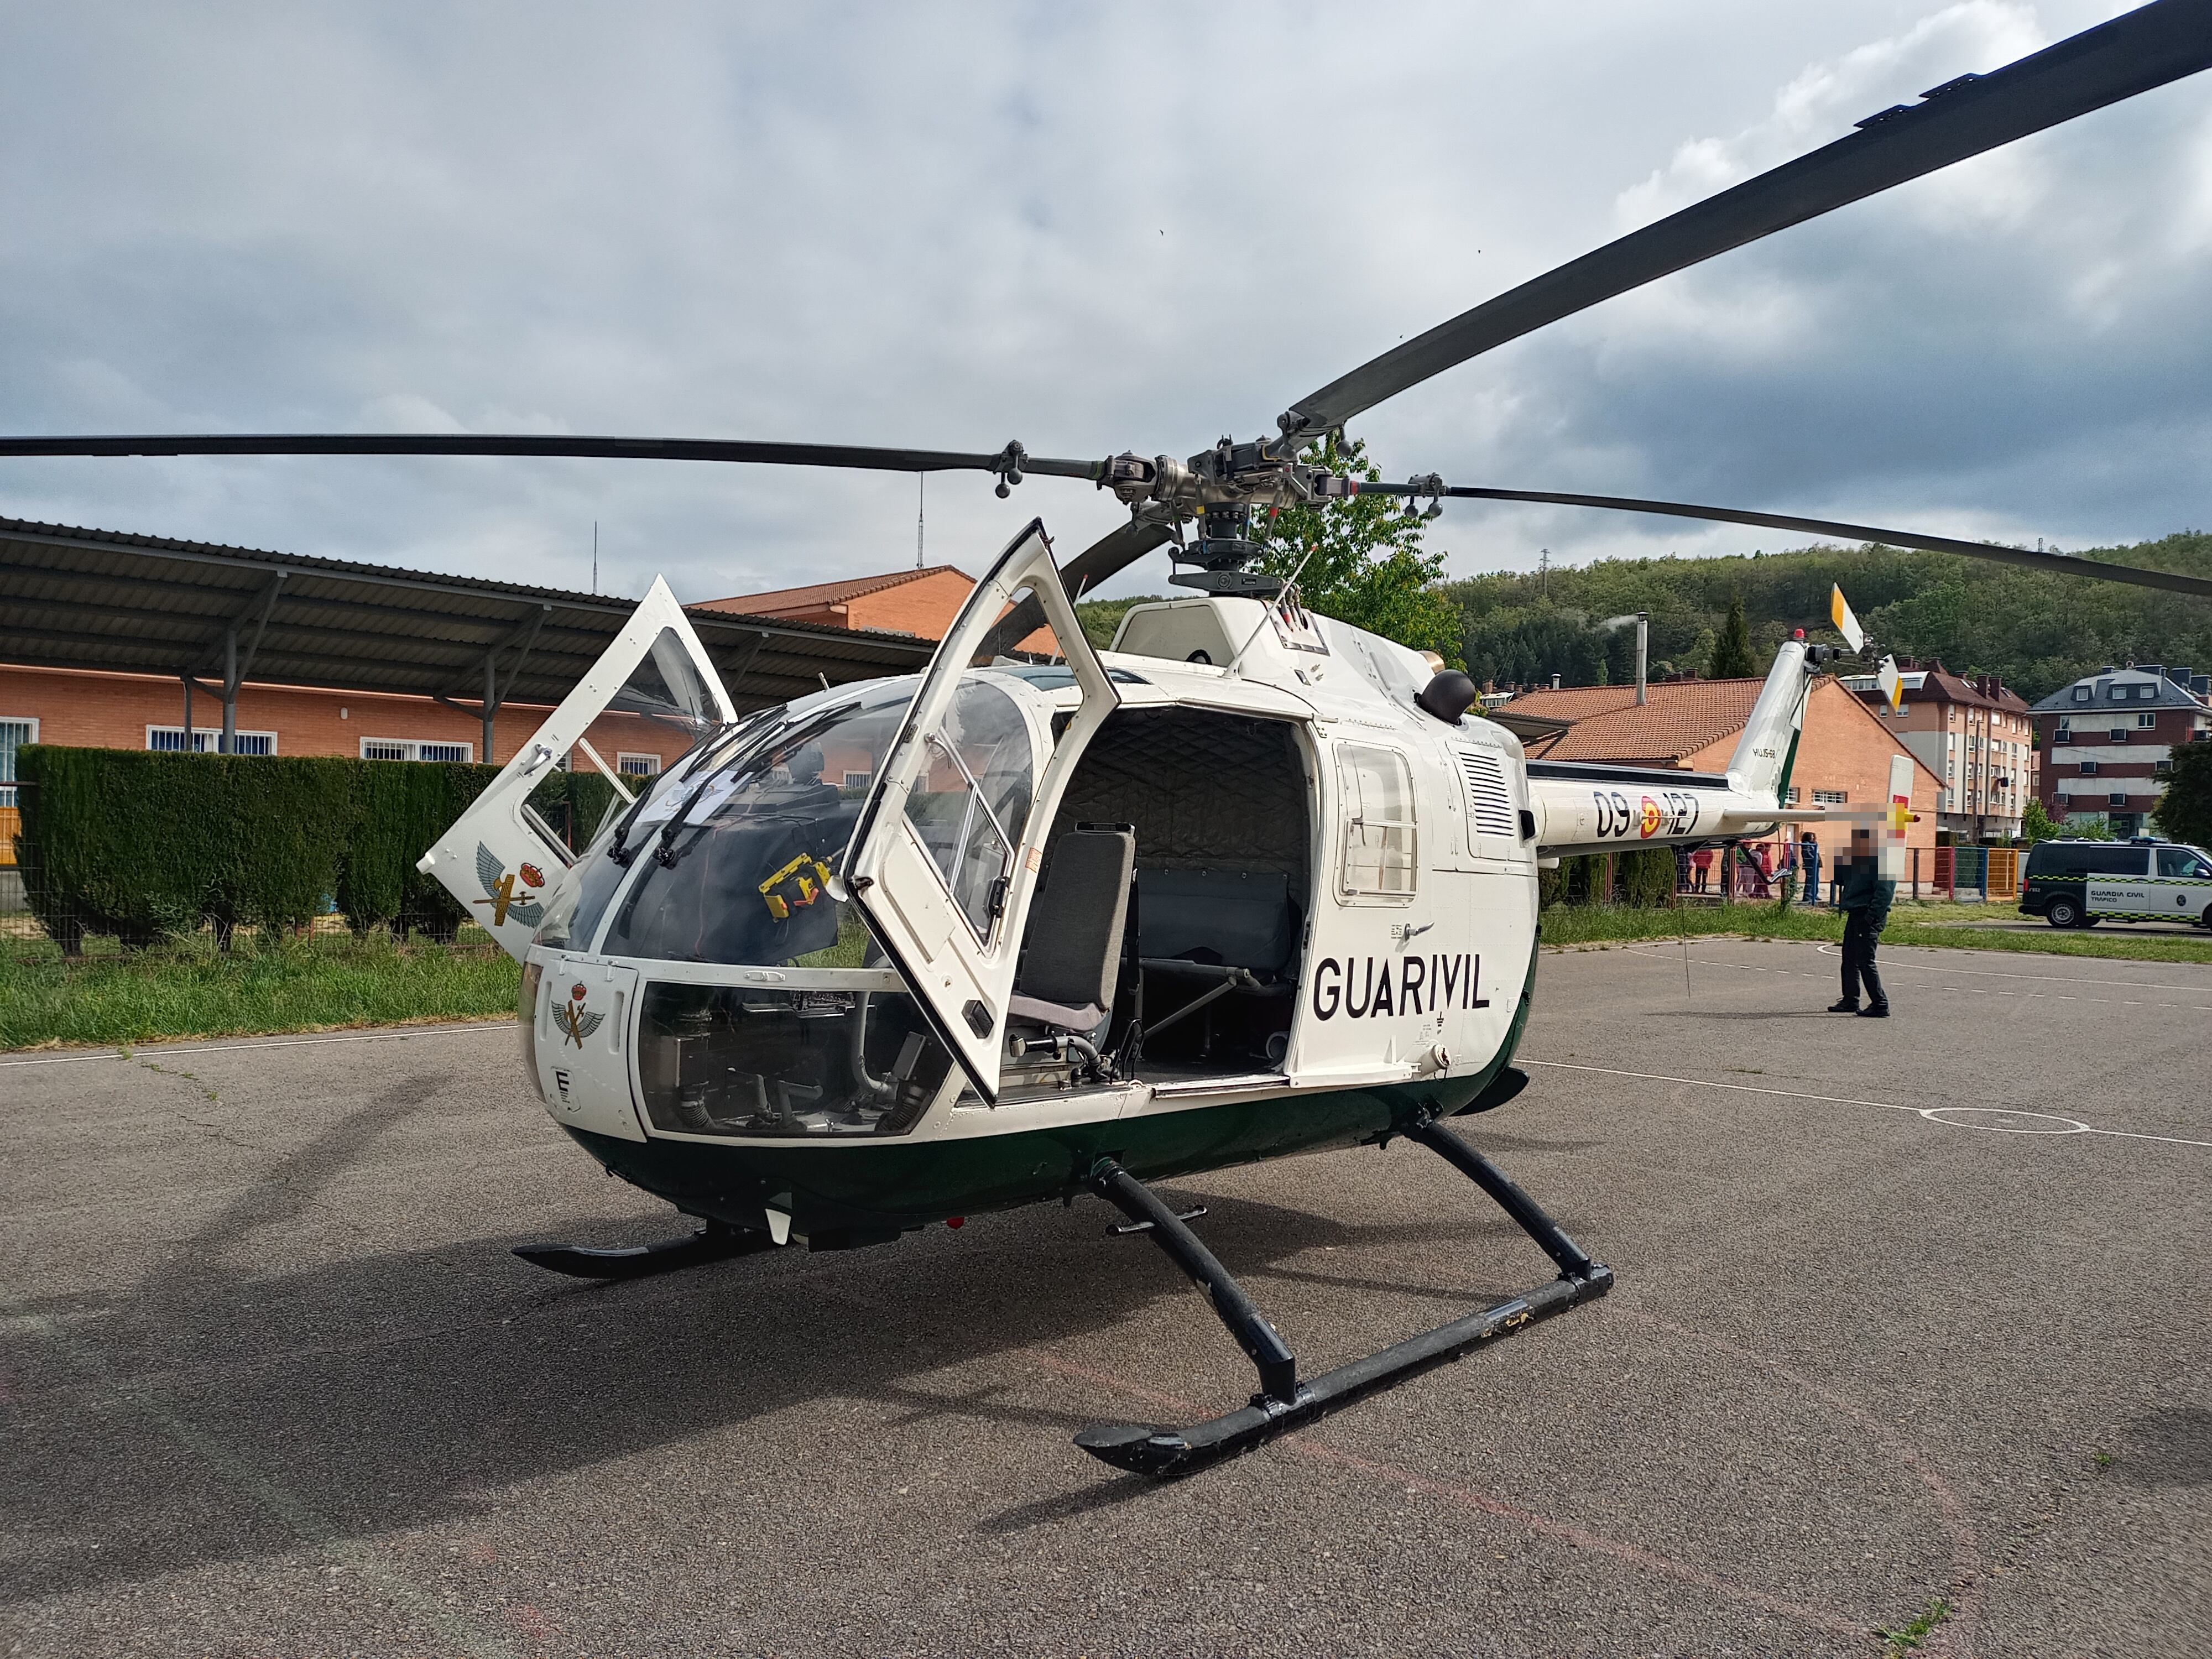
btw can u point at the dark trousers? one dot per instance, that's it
(1859, 939)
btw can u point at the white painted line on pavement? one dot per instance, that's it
(1927, 1114)
(272, 1043)
(2052, 996)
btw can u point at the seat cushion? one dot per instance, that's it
(1081, 1018)
(1238, 917)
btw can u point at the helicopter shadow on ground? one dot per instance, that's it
(386, 1392)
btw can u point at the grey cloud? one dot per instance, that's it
(1089, 228)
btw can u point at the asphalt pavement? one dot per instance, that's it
(1908, 1311)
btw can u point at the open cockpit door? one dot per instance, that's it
(945, 854)
(648, 701)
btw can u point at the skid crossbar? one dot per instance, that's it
(713, 1242)
(1282, 1401)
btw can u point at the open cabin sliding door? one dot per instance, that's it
(944, 859)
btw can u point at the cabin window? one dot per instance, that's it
(1379, 845)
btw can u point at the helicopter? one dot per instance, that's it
(1045, 920)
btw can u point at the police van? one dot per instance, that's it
(2079, 884)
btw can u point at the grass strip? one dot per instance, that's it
(1935, 926)
(154, 997)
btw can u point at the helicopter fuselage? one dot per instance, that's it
(805, 1008)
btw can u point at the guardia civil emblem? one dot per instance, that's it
(577, 1022)
(500, 891)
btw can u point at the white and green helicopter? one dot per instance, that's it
(1252, 882)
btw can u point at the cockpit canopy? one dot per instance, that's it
(728, 858)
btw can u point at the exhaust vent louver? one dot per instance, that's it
(1489, 802)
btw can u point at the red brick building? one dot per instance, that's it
(107, 640)
(923, 603)
(1975, 735)
(2108, 742)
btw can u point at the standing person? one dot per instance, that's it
(1865, 898)
(1808, 852)
(1701, 861)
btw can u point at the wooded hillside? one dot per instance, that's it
(2037, 631)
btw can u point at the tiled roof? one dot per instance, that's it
(2169, 696)
(822, 593)
(1681, 718)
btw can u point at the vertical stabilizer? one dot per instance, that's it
(1756, 767)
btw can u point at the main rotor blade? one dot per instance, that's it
(474, 443)
(2147, 48)
(1107, 557)
(2028, 557)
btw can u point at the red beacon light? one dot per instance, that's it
(1797, 633)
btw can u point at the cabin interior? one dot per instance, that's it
(1173, 899)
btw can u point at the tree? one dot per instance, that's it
(1362, 558)
(1732, 655)
(2037, 824)
(2185, 811)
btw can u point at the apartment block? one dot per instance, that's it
(1974, 734)
(2109, 737)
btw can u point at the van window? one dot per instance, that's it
(2179, 862)
(2085, 858)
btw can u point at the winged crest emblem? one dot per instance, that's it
(499, 892)
(577, 1022)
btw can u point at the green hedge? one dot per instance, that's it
(1642, 877)
(144, 845)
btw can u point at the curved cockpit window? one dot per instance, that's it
(733, 856)
(743, 1060)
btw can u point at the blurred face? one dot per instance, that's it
(1862, 843)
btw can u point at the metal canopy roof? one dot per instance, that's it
(86, 598)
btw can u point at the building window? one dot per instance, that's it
(637, 766)
(1792, 801)
(2119, 694)
(208, 740)
(854, 783)
(411, 749)
(2118, 734)
(2145, 692)
(2081, 694)
(2061, 735)
(2088, 769)
(2116, 798)
(14, 732)
(1831, 797)
(2145, 720)
(2161, 767)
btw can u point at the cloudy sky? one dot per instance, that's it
(1091, 227)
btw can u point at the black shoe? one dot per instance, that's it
(1843, 1007)
(1873, 1011)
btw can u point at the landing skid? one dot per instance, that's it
(1282, 1401)
(713, 1242)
